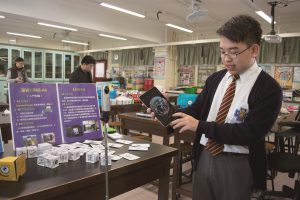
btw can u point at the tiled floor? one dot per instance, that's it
(149, 191)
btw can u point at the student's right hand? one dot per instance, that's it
(19, 80)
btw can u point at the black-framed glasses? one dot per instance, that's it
(232, 53)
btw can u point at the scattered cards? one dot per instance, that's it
(131, 148)
(124, 141)
(129, 156)
(114, 136)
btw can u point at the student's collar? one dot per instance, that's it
(246, 74)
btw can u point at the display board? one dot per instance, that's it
(186, 75)
(1, 143)
(54, 113)
(284, 76)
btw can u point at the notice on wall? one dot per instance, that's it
(42, 113)
(79, 112)
(159, 68)
(284, 76)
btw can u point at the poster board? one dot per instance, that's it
(159, 68)
(284, 76)
(99, 71)
(1, 143)
(43, 112)
(296, 77)
(79, 112)
(186, 75)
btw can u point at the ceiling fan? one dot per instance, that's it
(197, 13)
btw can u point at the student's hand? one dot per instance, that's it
(152, 114)
(19, 80)
(184, 122)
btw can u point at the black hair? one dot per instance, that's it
(88, 60)
(242, 28)
(19, 59)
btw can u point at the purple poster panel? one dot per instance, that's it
(79, 110)
(34, 114)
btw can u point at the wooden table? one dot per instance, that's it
(117, 109)
(77, 180)
(130, 121)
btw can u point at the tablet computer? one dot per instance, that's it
(162, 108)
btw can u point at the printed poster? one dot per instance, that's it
(53, 113)
(284, 76)
(159, 68)
(34, 114)
(80, 116)
(296, 74)
(1, 143)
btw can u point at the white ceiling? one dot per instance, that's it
(91, 19)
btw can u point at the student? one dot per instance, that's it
(17, 74)
(231, 118)
(83, 73)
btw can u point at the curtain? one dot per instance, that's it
(134, 57)
(288, 51)
(100, 55)
(199, 54)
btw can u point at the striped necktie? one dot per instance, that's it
(213, 146)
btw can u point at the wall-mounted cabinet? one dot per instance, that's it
(7, 56)
(41, 65)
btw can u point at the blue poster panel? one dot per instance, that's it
(34, 114)
(79, 112)
(1, 143)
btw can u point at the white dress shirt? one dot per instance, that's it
(239, 106)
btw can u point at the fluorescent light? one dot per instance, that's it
(56, 26)
(264, 16)
(180, 28)
(122, 10)
(2, 17)
(74, 42)
(24, 35)
(114, 37)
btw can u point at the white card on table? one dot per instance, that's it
(140, 145)
(129, 156)
(131, 148)
(124, 141)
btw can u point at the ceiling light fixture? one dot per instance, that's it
(74, 42)
(56, 26)
(114, 37)
(2, 17)
(263, 15)
(24, 35)
(122, 10)
(179, 28)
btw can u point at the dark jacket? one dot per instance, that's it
(79, 76)
(14, 73)
(264, 101)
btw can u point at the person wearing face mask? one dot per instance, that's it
(83, 73)
(231, 118)
(17, 74)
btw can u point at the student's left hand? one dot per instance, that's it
(184, 122)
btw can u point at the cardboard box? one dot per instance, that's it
(11, 168)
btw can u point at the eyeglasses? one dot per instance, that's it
(232, 53)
